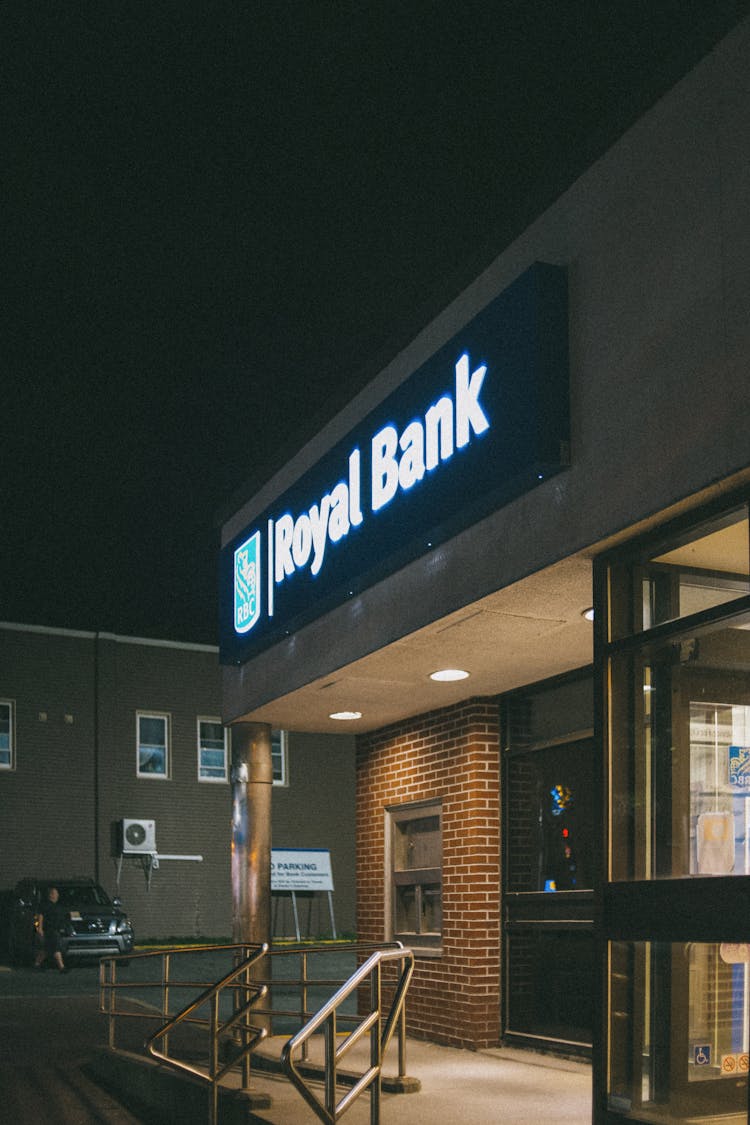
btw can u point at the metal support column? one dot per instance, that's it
(252, 782)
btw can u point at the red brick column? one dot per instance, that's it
(452, 754)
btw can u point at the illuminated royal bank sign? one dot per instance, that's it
(482, 421)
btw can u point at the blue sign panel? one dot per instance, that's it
(739, 769)
(485, 419)
(702, 1054)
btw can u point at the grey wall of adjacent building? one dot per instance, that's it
(75, 697)
(319, 814)
(46, 801)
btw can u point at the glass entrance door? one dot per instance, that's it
(674, 661)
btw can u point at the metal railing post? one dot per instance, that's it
(246, 1063)
(329, 1033)
(108, 1005)
(213, 1066)
(376, 996)
(165, 994)
(303, 999)
(402, 1042)
(249, 991)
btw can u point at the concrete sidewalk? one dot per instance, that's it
(489, 1087)
(492, 1087)
(57, 1037)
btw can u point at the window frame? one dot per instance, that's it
(11, 763)
(166, 717)
(282, 756)
(426, 944)
(223, 780)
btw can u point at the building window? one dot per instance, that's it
(7, 747)
(416, 874)
(280, 757)
(153, 745)
(212, 750)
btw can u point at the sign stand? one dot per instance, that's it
(307, 870)
(295, 911)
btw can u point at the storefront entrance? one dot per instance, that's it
(674, 662)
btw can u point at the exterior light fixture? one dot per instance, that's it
(345, 716)
(447, 675)
(588, 613)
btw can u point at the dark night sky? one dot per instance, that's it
(221, 218)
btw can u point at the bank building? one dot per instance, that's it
(516, 567)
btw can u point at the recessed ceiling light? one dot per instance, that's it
(345, 716)
(446, 675)
(588, 613)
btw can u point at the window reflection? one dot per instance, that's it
(706, 567)
(680, 756)
(679, 1031)
(719, 792)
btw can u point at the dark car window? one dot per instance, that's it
(86, 895)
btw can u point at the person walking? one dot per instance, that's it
(52, 918)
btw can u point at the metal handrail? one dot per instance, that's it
(248, 993)
(110, 987)
(371, 1023)
(239, 1021)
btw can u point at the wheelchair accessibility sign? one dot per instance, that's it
(702, 1054)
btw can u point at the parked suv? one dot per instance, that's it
(97, 925)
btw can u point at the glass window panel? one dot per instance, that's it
(680, 756)
(213, 759)
(279, 757)
(719, 793)
(213, 764)
(153, 730)
(212, 734)
(151, 759)
(212, 755)
(553, 973)
(549, 713)
(152, 745)
(550, 819)
(707, 567)
(6, 734)
(678, 1031)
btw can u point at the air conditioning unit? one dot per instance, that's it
(138, 837)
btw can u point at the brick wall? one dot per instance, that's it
(452, 754)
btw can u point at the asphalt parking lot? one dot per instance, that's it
(50, 1026)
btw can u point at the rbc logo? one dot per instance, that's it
(739, 769)
(247, 584)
